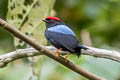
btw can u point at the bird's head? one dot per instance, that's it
(52, 21)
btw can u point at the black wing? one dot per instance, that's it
(65, 41)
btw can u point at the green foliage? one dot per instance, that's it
(5, 37)
(99, 17)
(26, 16)
(3, 8)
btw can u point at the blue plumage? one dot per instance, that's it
(61, 29)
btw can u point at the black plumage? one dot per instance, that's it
(60, 36)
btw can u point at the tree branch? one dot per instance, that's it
(29, 52)
(102, 53)
(47, 52)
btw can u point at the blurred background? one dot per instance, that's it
(95, 22)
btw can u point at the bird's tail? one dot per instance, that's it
(78, 49)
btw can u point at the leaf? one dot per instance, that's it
(3, 8)
(26, 16)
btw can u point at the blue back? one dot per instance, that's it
(61, 29)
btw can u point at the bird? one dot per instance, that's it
(62, 37)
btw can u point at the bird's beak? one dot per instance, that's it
(44, 20)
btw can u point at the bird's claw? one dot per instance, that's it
(57, 52)
(66, 57)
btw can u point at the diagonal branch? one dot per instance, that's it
(47, 52)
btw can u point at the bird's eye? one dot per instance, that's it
(48, 19)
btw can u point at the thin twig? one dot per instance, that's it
(48, 52)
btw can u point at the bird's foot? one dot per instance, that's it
(57, 52)
(66, 57)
